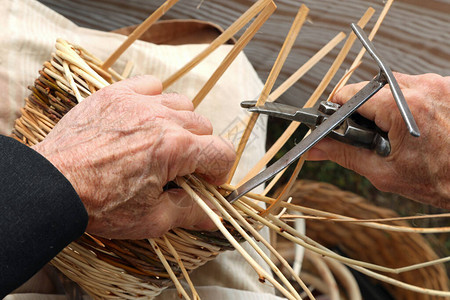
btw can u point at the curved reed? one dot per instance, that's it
(130, 269)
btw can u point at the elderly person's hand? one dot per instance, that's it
(123, 144)
(418, 168)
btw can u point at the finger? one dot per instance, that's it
(143, 85)
(363, 161)
(175, 101)
(214, 159)
(193, 122)
(316, 154)
(379, 108)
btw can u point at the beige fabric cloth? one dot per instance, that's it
(28, 34)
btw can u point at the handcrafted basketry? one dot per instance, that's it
(121, 268)
(386, 248)
(128, 269)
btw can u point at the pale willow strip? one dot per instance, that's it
(239, 228)
(65, 51)
(314, 97)
(294, 236)
(310, 103)
(272, 183)
(43, 117)
(263, 275)
(285, 86)
(332, 216)
(23, 130)
(174, 252)
(138, 32)
(289, 82)
(58, 64)
(172, 275)
(72, 84)
(324, 272)
(276, 69)
(237, 48)
(372, 34)
(256, 235)
(221, 39)
(320, 248)
(88, 77)
(444, 215)
(401, 284)
(250, 240)
(33, 122)
(128, 68)
(306, 67)
(30, 127)
(345, 277)
(336, 218)
(287, 187)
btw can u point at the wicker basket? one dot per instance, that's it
(391, 249)
(108, 268)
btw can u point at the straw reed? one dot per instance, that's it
(393, 249)
(131, 269)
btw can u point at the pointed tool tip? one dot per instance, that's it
(233, 196)
(415, 133)
(413, 128)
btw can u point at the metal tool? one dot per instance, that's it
(337, 118)
(355, 130)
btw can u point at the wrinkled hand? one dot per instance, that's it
(119, 148)
(417, 168)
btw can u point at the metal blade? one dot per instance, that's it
(308, 142)
(309, 117)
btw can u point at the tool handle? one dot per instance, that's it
(361, 132)
(357, 130)
(389, 76)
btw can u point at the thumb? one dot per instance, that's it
(182, 211)
(360, 160)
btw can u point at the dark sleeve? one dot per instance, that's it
(40, 213)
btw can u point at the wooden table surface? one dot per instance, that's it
(414, 38)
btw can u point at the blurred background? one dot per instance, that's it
(414, 39)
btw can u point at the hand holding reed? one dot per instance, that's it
(119, 148)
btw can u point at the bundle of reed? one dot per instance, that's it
(132, 269)
(71, 75)
(393, 249)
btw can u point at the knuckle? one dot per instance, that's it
(400, 77)
(229, 151)
(107, 93)
(204, 122)
(176, 100)
(114, 93)
(437, 84)
(185, 101)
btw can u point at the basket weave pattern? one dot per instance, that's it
(106, 268)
